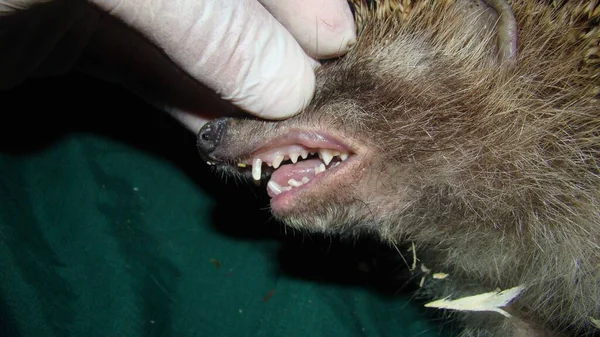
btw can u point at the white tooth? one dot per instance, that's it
(268, 164)
(343, 156)
(294, 183)
(273, 186)
(335, 164)
(304, 154)
(320, 168)
(294, 157)
(287, 188)
(256, 168)
(305, 180)
(326, 156)
(277, 161)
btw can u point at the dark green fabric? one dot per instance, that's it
(111, 226)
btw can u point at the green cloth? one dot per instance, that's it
(110, 225)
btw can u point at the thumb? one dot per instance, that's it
(235, 47)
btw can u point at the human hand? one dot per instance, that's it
(181, 55)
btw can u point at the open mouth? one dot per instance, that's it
(296, 162)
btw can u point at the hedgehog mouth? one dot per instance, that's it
(295, 163)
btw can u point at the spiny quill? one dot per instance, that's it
(491, 301)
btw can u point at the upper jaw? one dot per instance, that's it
(294, 146)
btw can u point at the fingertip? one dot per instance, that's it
(324, 28)
(337, 33)
(289, 95)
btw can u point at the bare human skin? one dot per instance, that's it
(473, 136)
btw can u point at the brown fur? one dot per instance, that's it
(491, 169)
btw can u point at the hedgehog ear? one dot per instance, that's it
(506, 29)
(494, 17)
(497, 15)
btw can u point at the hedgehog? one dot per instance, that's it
(465, 131)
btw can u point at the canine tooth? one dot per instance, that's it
(275, 187)
(256, 168)
(304, 154)
(335, 164)
(305, 180)
(320, 168)
(294, 157)
(326, 156)
(343, 156)
(277, 161)
(241, 165)
(294, 183)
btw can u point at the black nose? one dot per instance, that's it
(210, 136)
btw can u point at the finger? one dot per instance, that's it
(11, 6)
(324, 28)
(117, 54)
(235, 47)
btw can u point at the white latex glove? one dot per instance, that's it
(177, 54)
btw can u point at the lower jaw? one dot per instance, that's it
(292, 201)
(288, 201)
(282, 203)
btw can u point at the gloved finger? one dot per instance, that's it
(235, 47)
(118, 54)
(324, 28)
(11, 6)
